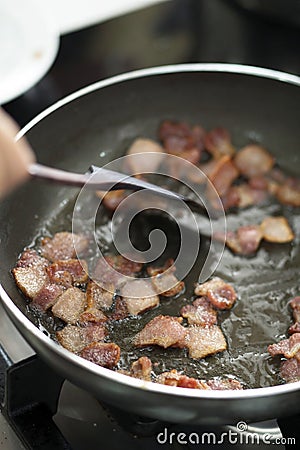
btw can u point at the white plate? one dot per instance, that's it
(28, 46)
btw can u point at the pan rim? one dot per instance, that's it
(16, 314)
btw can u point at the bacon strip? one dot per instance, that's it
(221, 294)
(165, 331)
(201, 312)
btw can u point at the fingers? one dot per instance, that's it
(15, 157)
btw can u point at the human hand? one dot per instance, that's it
(14, 156)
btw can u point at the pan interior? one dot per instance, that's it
(99, 126)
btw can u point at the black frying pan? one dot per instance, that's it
(254, 104)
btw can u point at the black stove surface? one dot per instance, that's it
(178, 31)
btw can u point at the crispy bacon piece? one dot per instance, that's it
(179, 137)
(141, 368)
(174, 378)
(139, 296)
(223, 175)
(221, 294)
(122, 266)
(63, 246)
(254, 160)
(30, 258)
(167, 284)
(97, 297)
(289, 192)
(295, 328)
(204, 341)
(218, 142)
(224, 384)
(164, 281)
(201, 312)
(141, 162)
(75, 338)
(102, 354)
(290, 370)
(165, 331)
(245, 240)
(30, 274)
(70, 305)
(112, 199)
(92, 315)
(276, 229)
(64, 271)
(290, 348)
(295, 305)
(47, 296)
(120, 309)
(246, 195)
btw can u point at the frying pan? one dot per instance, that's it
(95, 125)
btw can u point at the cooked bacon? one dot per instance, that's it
(218, 142)
(30, 258)
(224, 384)
(97, 297)
(102, 354)
(167, 285)
(139, 296)
(221, 294)
(112, 199)
(178, 137)
(245, 240)
(47, 296)
(295, 328)
(120, 309)
(142, 368)
(75, 338)
(92, 315)
(30, 274)
(289, 192)
(223, 175)
(290, 348)
(259, 182)
(165, 331)
(295, 305)
(164, 280)
(204, 341)
(70, 305)
(174, 378)
(201, 312)
(63, 271)
(152, 271)
(290, 370)
(276, 229)
(205, 171)
(140, 161)
(247, 195)
(122, 266)
(63, 246)
(254, 160)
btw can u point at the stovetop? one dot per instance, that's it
(177, 31)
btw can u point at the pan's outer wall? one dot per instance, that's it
(73, 136)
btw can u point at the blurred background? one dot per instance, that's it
(91, 40)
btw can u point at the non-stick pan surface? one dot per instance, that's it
(95, 126)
